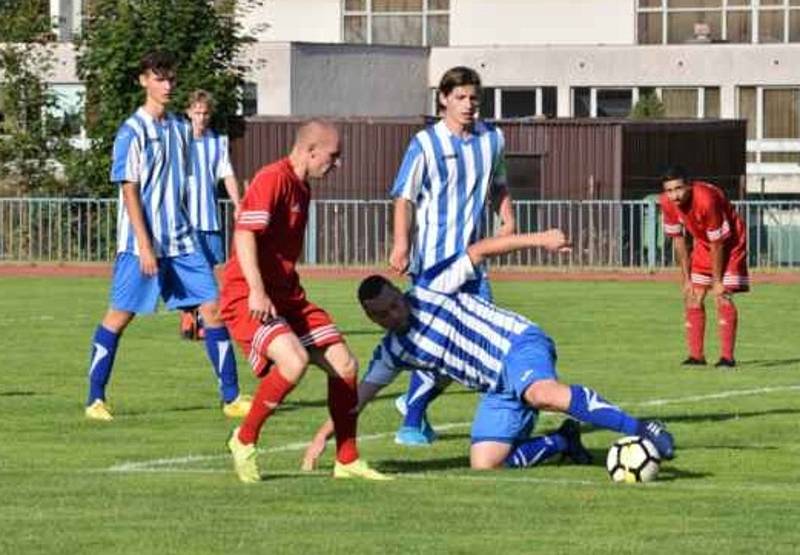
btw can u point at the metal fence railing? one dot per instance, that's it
(610, 234)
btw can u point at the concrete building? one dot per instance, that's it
(545, 58)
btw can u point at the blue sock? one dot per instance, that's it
(422, 390)
(536, 450)
(587, 406)
(220, 352)
(101, 360)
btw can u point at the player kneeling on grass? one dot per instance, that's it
(266, 309)
(489, 349)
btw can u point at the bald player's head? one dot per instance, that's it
(316, 149)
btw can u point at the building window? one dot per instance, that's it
(249, 99)
(403, 22)
(512, 102)
(773, 123)
(699, 21)
(67, 108)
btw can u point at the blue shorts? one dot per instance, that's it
(503, 415)
(210, 245)
(182, 281)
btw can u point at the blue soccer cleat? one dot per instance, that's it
(408, 435)
(411, 437)
(656, 432)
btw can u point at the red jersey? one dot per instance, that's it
(709, 217)
(275, 208)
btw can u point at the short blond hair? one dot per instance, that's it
(201, 96)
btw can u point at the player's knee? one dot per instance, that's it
(349, 368)
(546, 394)
(478, 461)
(210, 314)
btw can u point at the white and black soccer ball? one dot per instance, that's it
(633, 459)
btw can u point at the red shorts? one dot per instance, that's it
(311, 324)
(734, 278)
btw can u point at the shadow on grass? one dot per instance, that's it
(400, 466)
(672, 473)
(769, 363)
(20, 393)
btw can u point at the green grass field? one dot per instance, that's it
(157, 479)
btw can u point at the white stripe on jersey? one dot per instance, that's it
(153, 155)
(210, 163)
(446, 229)
(461, 336)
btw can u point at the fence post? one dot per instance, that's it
(652, 224)
(311, 234)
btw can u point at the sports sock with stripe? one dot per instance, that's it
(220, 352)
(101, 361)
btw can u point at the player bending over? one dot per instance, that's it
(266, 309)
(717, 260)
(489, 349)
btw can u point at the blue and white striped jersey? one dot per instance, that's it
(154, 154)
(456, 334)
(449, 179)
(210, 163)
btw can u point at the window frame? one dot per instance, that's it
(369, 14)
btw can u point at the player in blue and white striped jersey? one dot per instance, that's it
(156, 253)
(498, 352)
(210, 164)
(450, 172)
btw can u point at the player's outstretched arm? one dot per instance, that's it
(552, 240)
(366, 392)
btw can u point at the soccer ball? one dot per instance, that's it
(633, 459)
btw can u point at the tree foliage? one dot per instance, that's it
(33, 142)
(649, 106)
(203, 36)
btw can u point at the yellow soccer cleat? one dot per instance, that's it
(98, 410)
(238, 408)
(358, 469)
(244, 459)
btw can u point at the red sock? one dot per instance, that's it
(342, 400)
(695, 331)
(271, 391)
(728, 319)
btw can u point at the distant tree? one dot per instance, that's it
(33, 139)
(649, 106)
(205, 39)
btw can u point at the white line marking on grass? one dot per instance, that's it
(721, 395)
(145, 466)
(168, 464)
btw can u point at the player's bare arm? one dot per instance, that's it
(259, 303)
(403, 217)
(505, 209)
(366, 392)
(552, 240)
(232, 187)
(133, 204)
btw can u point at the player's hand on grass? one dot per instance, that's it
(261, 307)
(147, 260)
(398, 259)
(316, 448)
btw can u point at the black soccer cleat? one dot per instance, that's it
(725, 363)
(570, 430)
(691, 361)
(656, 432)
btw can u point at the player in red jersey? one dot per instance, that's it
(717, 260)
(266, 309)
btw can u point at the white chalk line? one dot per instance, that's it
(165, 464)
